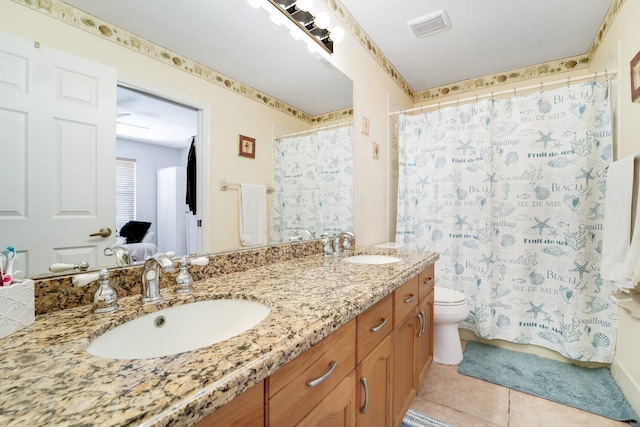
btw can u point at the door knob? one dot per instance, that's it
(104, 232)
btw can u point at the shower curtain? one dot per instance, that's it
(511, 192)
(313, 183)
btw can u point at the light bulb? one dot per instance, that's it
(256, 3)
(276, 18)
(305, 5)
(297, 33)
(337, 34)
(322, 19)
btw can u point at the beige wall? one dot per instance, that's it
(225, 113)
(620, 45)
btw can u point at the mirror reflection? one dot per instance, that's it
(141, 204)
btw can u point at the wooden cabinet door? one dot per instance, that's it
(338, 409)
(246, 410)
(375, 386)
(405, 372)
(425, 336)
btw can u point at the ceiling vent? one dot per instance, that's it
(429, 24)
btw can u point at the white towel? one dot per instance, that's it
(619, 250)
(253, 214)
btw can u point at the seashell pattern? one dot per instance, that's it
(436, 235)
(542, 193)
(458, 268)
(503, 321)
(507, 240)
(600, 340)
(440, 162)
(461, 194)
(536, 278)
(544, 106)
(572, 201)
(511, 158)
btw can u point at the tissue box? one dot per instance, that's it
(16, 307)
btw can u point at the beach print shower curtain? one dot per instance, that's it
(313, 183)
(511, 193)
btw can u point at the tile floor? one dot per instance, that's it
(464, 401)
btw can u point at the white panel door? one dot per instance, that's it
(59, 112)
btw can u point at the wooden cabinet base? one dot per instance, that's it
(246, 410)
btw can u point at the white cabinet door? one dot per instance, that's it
(57, 144)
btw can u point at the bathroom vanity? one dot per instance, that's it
(335, 334)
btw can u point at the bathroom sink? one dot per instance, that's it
(372, 259)
(178, 329)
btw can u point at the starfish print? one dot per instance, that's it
(491, 177)
(586, 175)
(540, 225)
(545, 138)
(556, 145)
(462, 221)
(547, 319)
(487, 259)
(553, 233)
(580, 268)
(464, 147)
(535, 309)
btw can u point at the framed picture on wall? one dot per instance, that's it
(247, 147)
(635, 78)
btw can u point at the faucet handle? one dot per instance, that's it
(59, 267)
(203, 260)
(105, 298)
(82, 280)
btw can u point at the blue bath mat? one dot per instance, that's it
(592, 390)
(418, 419)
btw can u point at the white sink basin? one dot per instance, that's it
(372, 259)
(178, 329)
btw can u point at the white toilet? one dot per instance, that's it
(450, 308)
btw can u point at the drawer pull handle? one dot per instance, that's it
(428, 281)
(313, 383)
(422, 319)
(365, 407)
(380, 326)
(411, 298)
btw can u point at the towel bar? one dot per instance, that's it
(224, 185)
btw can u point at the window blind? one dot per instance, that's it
(125, 190)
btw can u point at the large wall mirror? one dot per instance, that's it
(228, 36)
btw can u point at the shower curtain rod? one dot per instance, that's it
(286, 135)
(568, 80)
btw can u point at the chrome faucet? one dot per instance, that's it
(301, 233)
(342, 240)
(151, 276)
(123, 257)
(105, 298)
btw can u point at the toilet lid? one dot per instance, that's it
(446, 296)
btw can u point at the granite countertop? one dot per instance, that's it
(48, 378)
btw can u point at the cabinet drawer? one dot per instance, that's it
(427, 280)
(373, 325)
(405, 298)
(290, 396)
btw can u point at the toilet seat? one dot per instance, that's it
(447, 297)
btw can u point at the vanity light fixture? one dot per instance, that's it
(296, 15)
